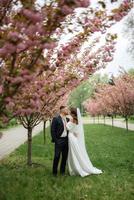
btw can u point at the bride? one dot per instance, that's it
(78, 159)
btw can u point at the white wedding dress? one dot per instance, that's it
(78, 159)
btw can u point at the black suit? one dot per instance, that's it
(61, 144)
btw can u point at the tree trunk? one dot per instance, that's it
(94, 119)
(80, 108)
(104, 120)
(50, 121)
(44, 131)
(112, 121)
(126, 118)
(98, 119)
(29, 152)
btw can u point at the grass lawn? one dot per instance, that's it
(110, 149)
(11, 124)
(131, 121)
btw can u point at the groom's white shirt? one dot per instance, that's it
(64, 134)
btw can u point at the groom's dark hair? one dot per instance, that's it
(62, 107)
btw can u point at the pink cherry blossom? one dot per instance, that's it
(1, 89)
(33, 16)
(13, 36)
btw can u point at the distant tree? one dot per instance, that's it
(131, 71)
(86, 90)
(114, 99)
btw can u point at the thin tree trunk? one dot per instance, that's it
(98, 119)
(126, 118)
(50, 121)
(29, 151)
(104, 120)
(44, 131)
(0, 134)
(112, 121)
(94, 119)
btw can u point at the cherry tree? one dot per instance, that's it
(92, 107)
(26, 31)
(115, 99)
(124, 93)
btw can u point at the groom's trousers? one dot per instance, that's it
(61, 149)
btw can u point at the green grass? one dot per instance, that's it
(131, 121)
(12, 123)
(110, 149)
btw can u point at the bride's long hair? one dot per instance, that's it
(73, 113)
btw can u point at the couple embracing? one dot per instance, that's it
(68, 135)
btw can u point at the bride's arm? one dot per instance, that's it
(70, 125)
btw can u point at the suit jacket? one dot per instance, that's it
(57, 128)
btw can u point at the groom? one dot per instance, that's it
(59, 135)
